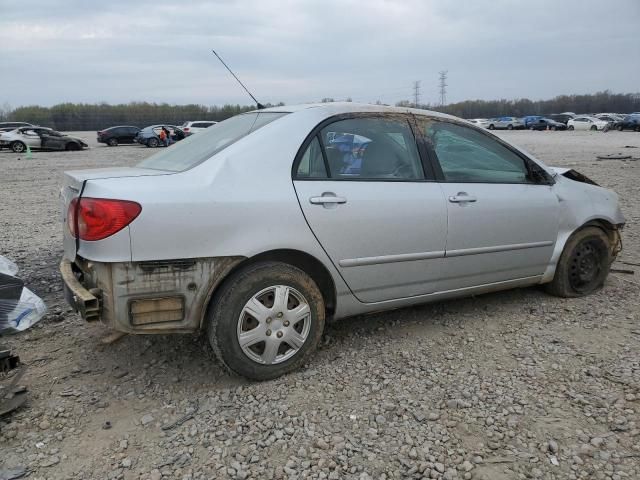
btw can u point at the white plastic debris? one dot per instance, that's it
(7, 266)
(18, 316)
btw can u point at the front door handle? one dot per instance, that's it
(327, 199)
(462, 197)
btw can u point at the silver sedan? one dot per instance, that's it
(266, 225)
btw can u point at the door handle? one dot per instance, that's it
(327, 199)
(462, 197)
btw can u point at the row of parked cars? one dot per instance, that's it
(150, 136)
(21, 136)
(563, 121)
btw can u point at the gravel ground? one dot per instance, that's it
(510, 385)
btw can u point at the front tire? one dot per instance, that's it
(593, 128)
(18, 147)
(491, 127)
(72, 147)
(152, 142)
(266, 320)
(112, 142)
(584, 264)
(509, 127)
(570, 127)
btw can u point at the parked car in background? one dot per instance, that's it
(39, 138)
(587, 123)
(8, 126)
(547, 124)
(560, 117)
(186, 240)
(150, 136)
(505, 123)
(113, 136)
(611, 118)
(630, 122)
(481, 122)
(196, 126)
(529, 119)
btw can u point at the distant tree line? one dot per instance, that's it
(591, 103)
(84, 116)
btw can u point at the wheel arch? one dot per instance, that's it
(297, 258)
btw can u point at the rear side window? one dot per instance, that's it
(371, 149)
(196, 149)
(468, 156)
(312, 162)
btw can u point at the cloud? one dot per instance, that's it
(120, 51)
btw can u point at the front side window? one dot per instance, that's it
(196, 149)
(371, 149)
(468, 156)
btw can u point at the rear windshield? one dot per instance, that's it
(196, 149)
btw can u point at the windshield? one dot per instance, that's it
(197, 148)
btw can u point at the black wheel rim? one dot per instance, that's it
(585, 266)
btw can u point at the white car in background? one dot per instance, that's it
(196, 126)
(586, 123)
(481, 122)
(39, 138)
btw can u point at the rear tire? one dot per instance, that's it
(18, 147)
(259, 288)
(583, 266)
(636, 128)
(112, 142)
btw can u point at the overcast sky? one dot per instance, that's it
(299, 51)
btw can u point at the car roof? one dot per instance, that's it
(336, 108)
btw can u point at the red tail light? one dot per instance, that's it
(97, 218)
(185, 129)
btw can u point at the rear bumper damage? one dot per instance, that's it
(167, 296)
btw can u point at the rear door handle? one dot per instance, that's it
(328, 199)
(462, 197)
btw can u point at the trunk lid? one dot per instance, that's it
(72, 186)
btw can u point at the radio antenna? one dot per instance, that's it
(260, 106)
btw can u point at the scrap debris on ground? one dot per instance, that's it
(511, 385)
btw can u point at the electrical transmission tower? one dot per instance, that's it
(416, 93)
(443, 88)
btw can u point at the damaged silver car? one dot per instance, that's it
(266, 225)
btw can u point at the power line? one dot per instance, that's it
(443, 88)
(416, 93)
